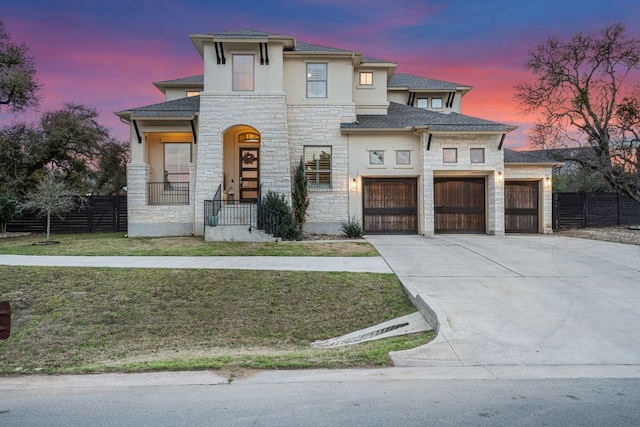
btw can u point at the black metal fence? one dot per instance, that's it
(218, 212)
(98, 214)
(169, 193)
(579, 210)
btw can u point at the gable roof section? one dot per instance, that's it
(411, 82)
(404, 117)
(183, 108)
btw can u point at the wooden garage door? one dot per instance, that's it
(390, 205)
(521, 207)
(459, 205)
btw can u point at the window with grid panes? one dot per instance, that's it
(316, 80)
(317, 165)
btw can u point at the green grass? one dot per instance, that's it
(68, 320)
(116, 244)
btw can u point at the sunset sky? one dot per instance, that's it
(106, 54)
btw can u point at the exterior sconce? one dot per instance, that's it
(500, 177)
(354, 184)
(547, 181)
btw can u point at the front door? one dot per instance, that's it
(249, 174)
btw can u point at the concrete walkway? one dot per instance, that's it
(355, 264)
(521, 300)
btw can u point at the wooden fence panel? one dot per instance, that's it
(576, 210)
(97, 214)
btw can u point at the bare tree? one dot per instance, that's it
(18, 86)
(583, 98)
(50, 197)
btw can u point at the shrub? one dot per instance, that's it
(352, 228)
(278, 203)
(299, 195)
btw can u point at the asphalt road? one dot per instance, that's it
(351, 401)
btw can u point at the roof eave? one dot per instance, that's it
(375, 130)
(185, 118)
(532, 164)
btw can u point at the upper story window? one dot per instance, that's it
(317, 164)
(191, 93)
(423, 103)
(243, 72)
(403, 157)
(366, 78)
(477, 155)
(316, 80)
(450, 155)
(436, 102)
(376, 157)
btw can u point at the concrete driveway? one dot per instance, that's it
(521, 300)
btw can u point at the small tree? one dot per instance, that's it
(50, 197)
(8, 211)
(299, 195)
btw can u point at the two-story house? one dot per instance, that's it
(390, 149)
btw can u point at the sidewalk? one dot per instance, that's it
(354, 264)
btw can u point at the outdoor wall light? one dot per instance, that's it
(354, 184)
(547, 181)
(500, 177)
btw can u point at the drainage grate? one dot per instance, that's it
(334, 342)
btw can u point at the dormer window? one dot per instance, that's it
(423, 103)
(436, 102)
(366, 78)
(243, 73)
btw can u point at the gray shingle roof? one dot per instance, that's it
(241, 34)
(183, 107)
(186, 80)
(416, 83)
(308, 47)
(367, 60)
(401, 116)
(512, 156)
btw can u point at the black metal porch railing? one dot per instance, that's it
(218, 212)
(168, 193)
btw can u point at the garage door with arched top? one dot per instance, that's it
(459, 205)
(390, 205)
(521, 207)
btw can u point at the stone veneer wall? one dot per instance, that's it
(153, 221)
(540, 173)
(268, 115)
(494, 160)
(319, 124)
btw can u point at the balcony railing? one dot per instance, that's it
(168, 193)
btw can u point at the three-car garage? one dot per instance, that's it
(390, 205)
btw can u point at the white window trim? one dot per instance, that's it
(326, 79)
(253, 72)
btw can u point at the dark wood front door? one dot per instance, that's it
(459, 205)
(249, 174)
(521, 207)
(390, 205)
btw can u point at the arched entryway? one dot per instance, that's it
(242, 164)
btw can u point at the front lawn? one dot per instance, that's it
(68, 320)
(116, 244)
